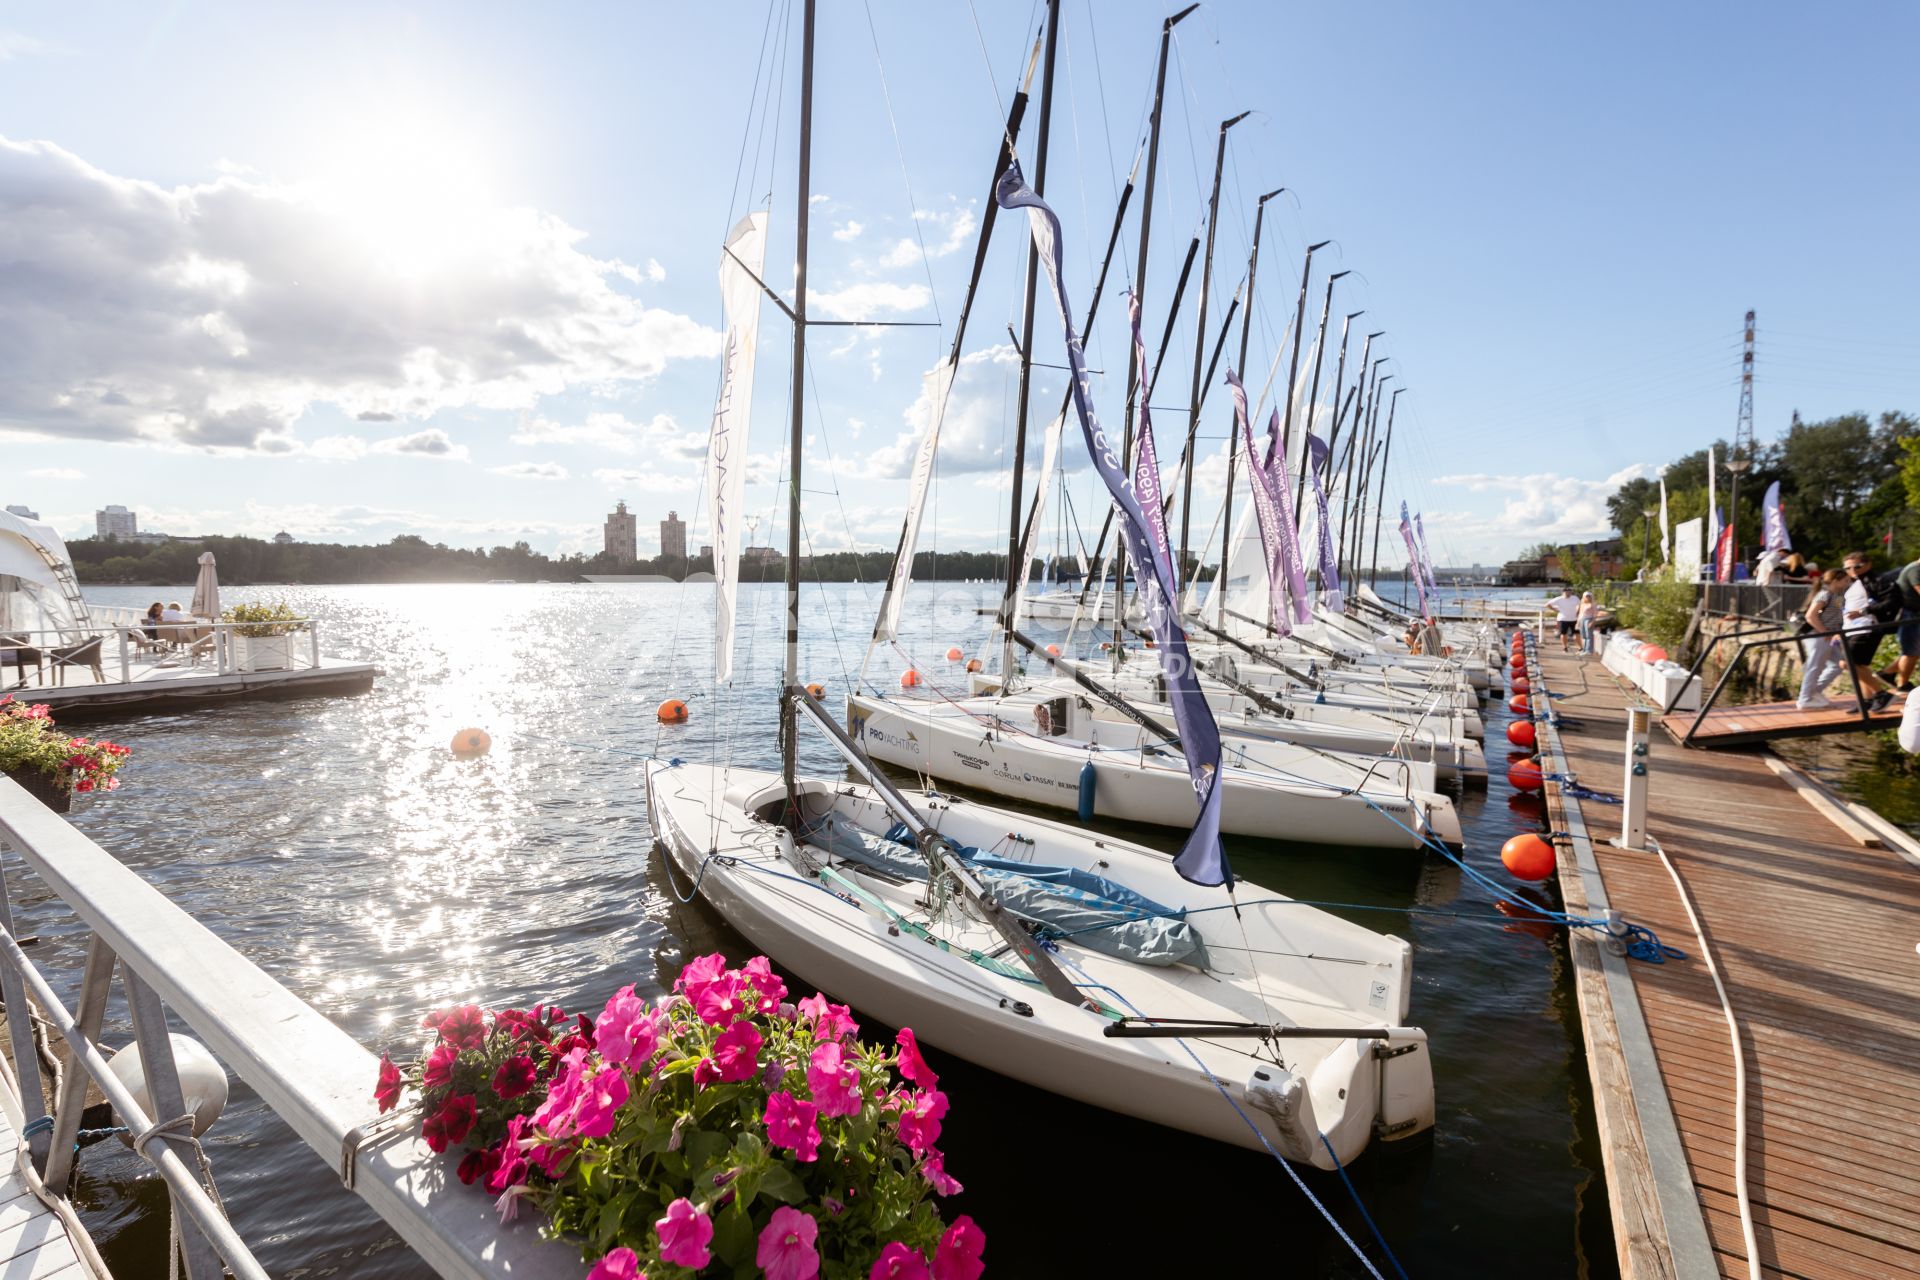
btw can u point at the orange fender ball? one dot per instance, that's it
(909, 679)
(973, 665)
(1653, 653)
(471, 742)
(1053, 650)
(817, 691)
(1521, 704)
(672, 711)
(955, 654)
(1521, 684)
(1520, 733)
(1519, 663)
(1528, 857)
(1526, 776)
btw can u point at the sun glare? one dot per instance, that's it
(408, 184)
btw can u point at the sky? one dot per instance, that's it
(450, 269)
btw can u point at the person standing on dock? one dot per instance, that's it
(1908, 584)
(1820, 652)
(1585, 619)
(1566, 606)
(1862, 639)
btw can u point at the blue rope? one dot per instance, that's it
(1341, 1169)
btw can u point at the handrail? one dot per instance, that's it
(314, 1076)
(200, 631)
(1773, 638)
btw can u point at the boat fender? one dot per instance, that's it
(1089, 781)
(1278, 1098)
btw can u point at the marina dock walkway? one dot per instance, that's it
(1814, 936)
(35, 1242)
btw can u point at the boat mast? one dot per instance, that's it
(1339, 416)
(1386, 456)
(1233, 432)
(1016, 566)
(1200, 342)
(1134, 372)
(1362, 424)
(789, 727)
(1285, 443)
(1313, 396)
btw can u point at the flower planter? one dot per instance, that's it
(42, 788)
(262, 653)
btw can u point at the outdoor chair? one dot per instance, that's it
(85, 654)
(18, 654)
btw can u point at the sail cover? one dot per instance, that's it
(1426, 555)
(1329, 561)
(1288, 550)
(740, 264)
(1146, 462)
(1265, 506)
(1202, 859)
(1413, 561)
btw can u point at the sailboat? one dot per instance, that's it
(1055, 955)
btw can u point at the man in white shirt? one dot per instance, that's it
(1566, 606)
(1861, 639)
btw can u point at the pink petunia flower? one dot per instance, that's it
(622, 1264)
(464, 1027)
(439, 1068)
(957, 1257)
(704, 1073)
(736, 1052)
(721, 1001)
(934, 1170)
(835, 1082)
(387, 1091)
(786, 1251)
(699, 972)
(450, 1124)
(555, 1115)
(912, 1065)
(684, 1234)
(793, 1124)
(514, 1077)
(625, 1034)
(771, 989)
(920, 1120)
(473, 1166)
(510, 1167)
(830, 1021)
(600, 1102)
(898, 1262)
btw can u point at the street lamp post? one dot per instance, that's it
(1646, 539)
(1739, 467)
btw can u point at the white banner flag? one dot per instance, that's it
(740, 264)
(935, 386)
(1666, 534)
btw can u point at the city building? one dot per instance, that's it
(23, 512)
(115, 522)
(759, 553)
(673, 537)
(283, 538)
(621, 535)
(706, 551)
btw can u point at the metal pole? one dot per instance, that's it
(1016, 564)
(1339, 416)
(1233, 429)
(1293, 366)
(1313, 395)
(1386, 457)
(1371, 412)
(1360, 420)
(789, 727)
(1200, 333)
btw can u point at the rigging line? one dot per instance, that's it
(986, 60)
(906, 179)
(746, 132)
(779, 102)
(1106, 117)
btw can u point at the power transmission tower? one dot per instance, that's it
(1742, 438)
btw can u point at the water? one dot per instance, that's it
(338, 845)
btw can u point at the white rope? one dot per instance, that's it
(1739, 1068)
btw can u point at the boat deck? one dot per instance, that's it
(1815, 934)
(170, 685)
(1761, 722)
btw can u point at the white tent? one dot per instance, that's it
(38, 591)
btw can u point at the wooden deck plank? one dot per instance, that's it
(1815, 938)
(1724, 726)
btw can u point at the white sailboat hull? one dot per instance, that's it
(1314, 970)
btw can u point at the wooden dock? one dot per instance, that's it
(169, 688)
(1815, 938)
(1744, 726)
(35, 1241)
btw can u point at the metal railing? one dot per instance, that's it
(133, 653)
(313, 1075)
(1778, 602)
(1769, 637)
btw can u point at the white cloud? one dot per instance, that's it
(647, 480)
(532, 471)
(661, 435)
(950, 231)
(655, 272)
(14, 44)
(976, 430)
(338, 448)
(869, 301)
(1542, 507)
(849, 230)
(431, 443)
(56, 473)
(215, 315)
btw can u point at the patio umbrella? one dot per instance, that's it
(206, 590)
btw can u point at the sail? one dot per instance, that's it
(1413, 561)
(740, 265)
(1266, 506)
(935, 386)
(1203, 859)
(1329, 561)
(1029, 537)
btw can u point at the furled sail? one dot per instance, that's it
(1203, 859)
(740, 266)
(1426, 555)
(1413, 561)
(1329, 561)
(1146, 464)
(1287, 550)
(935, 386)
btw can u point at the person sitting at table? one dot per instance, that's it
(173, 614)
(151, 623)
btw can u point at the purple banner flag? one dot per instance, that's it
(1146, 460)
(1426, 556)
(1413, 562)
(1289, 548)
(1266, 510)
(1329, 561)
(1203, 859)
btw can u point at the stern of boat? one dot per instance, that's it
(1370, 1090)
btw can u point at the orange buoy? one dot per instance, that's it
(1053, 650)
(955, 654)
(973, 665)
(1527, 776)
(817, 691)
(1521, 684)
(1528, 857)
(1520, 733)
(1520, 704)
(471, 742)
(1519, 663)
(1105, 645)
(1653, 653)
(909, 679)
(672, 711)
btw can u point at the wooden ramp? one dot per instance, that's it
(1815, 938)
(35, 1242)
(1764, 721)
